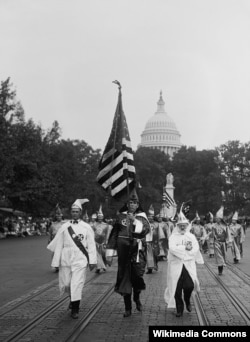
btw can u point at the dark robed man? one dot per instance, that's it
(127, 239)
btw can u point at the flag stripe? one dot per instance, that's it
(112, 168)
(115, 155)
(121, 186)
(110, 179)
(120, 179)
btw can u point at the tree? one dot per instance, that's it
(11, 112)
(197, 177)
(152, 167)
(234, 164)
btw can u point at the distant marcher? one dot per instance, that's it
(152, 241)
(74, 248)
(222, 239)
(198, 230)
(102, 231)
(93, 219)
(55, 226)
(209, 235)
(238, 237)
(164, 233)
(85, 217)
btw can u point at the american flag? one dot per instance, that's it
(116, 167)
(167, 199)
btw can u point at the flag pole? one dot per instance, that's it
(112, 161)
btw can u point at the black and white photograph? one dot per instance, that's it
(124, 170)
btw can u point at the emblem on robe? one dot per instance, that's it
(80, 237)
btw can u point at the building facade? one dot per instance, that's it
(160, 131)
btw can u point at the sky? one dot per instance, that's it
(62, 56)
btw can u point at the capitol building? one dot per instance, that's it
(160, 131)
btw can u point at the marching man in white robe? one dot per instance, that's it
(181, 274)
(74, 248)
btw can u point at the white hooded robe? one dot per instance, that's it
(177, 257)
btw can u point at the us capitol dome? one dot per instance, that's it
(161, 132)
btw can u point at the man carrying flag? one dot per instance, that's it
(116, 168)
(117, 175)
(127, 240)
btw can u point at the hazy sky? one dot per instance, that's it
(62, 56)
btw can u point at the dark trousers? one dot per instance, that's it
(128, 301)
(185, 284)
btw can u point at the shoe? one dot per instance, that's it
(74, 315)
(149, 271)
(236, 261)
(127, 313)
(97, 271)
(220, 269)
(179, 314)
(189, 307)
(138, 305)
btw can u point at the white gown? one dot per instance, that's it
(70, 259)
(177, 257)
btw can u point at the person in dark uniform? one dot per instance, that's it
(127, 239)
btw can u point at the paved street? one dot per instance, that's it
(244, 264)
(25, 265)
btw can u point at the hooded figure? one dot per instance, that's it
(102, 231)
(93, 219)
(164, 233)
(238, 237)
(56, 224)
(199, 231)
(74, 248)
(222, 238)
(127, 240)
(153, 242)
(86, 217)
(209, 234)
(181, 273)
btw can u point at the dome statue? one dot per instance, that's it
(161, 132)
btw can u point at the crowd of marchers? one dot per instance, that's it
(139, 240)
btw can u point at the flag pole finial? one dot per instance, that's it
(118, 83)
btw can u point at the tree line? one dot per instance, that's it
(39, 169)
